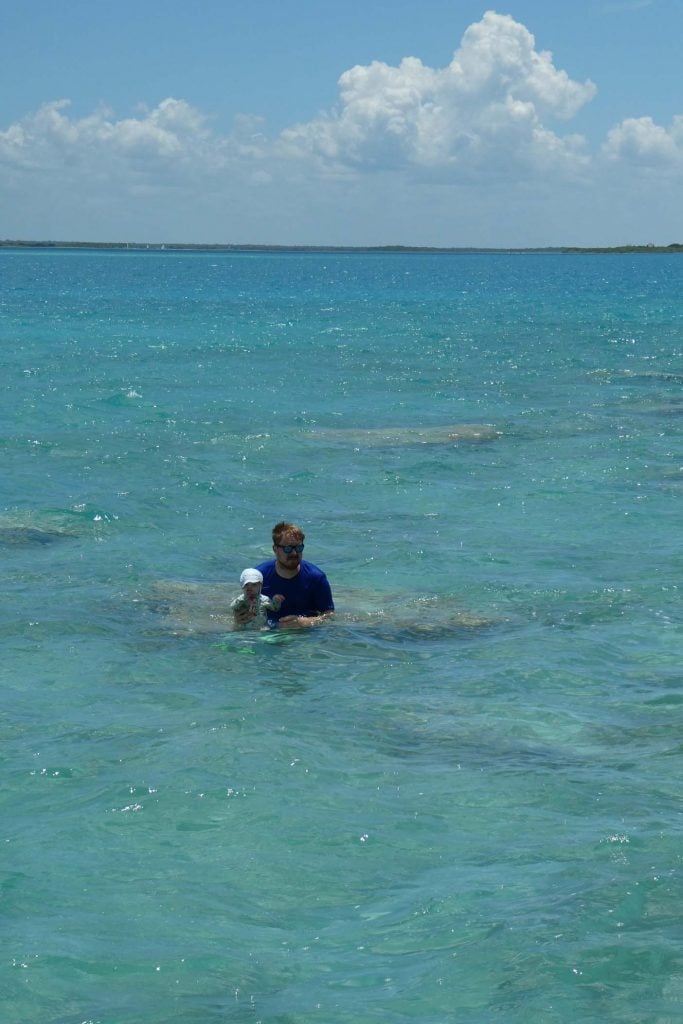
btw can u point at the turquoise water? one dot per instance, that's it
(458, 802)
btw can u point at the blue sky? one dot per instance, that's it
(367, 122)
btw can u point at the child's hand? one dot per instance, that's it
(242, 613)
(278, 600)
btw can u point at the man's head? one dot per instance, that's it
(288, 545)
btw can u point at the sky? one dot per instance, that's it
(342, 122)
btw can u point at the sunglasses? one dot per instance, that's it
(288, 548)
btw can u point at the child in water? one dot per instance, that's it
(254, 602)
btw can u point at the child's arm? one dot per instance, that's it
(277, 601)
(241, 610)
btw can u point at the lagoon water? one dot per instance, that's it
(460, 801)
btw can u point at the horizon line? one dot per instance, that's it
(278, 247)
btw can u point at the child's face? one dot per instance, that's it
(252, 591)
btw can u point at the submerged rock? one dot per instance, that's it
(35, 528)
(638, 376)
(190, 608)
(387, 437)
(29, 536)
(187, 607)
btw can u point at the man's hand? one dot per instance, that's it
(295, 621)
(302, 621)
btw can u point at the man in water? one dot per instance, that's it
(304, 587)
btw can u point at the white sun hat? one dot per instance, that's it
(251, 576)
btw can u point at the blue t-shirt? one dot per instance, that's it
(307, 593)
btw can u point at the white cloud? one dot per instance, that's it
(475, 153)
(166, 135)
(488, 105)
(639, 141)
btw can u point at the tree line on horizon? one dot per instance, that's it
(9, 243)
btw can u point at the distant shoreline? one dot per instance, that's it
(675, 247)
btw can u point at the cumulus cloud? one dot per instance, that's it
(641, 142)
(166, 136)
(489, 104)
(494, 120)
(488, 112)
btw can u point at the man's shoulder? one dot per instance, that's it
(311, 570)
(264, 567)
(317, 584)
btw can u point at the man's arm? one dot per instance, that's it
(322, 602)
(304, 621)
